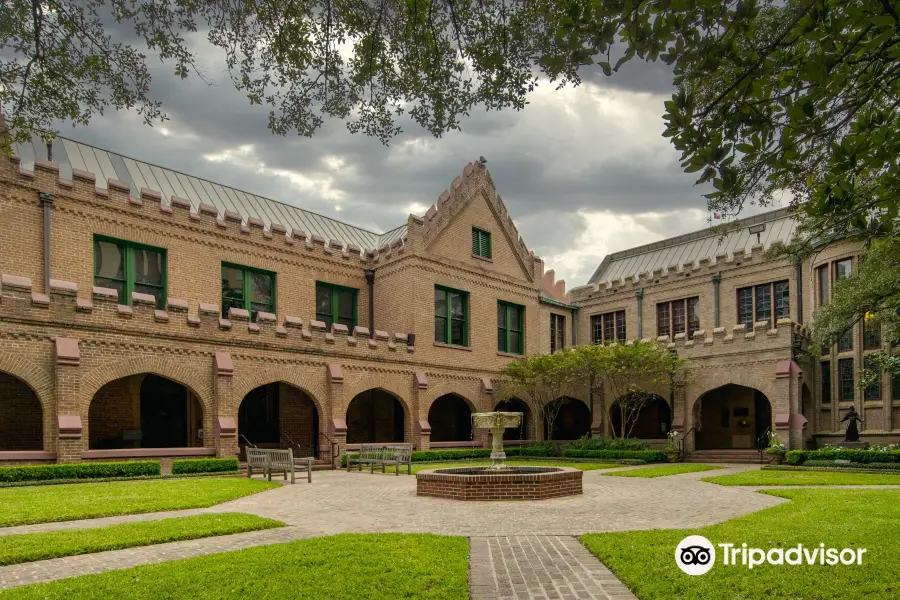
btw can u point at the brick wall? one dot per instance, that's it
(298, 417)
(114, 409)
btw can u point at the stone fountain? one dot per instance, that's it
(497, 422)
(499, 482)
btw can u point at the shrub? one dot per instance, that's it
(439, 455)
(141, 468)
(205, 465)
(833, 465)
(608, 443)
(645, 455)
(799, 457)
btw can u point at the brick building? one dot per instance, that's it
(146, 312)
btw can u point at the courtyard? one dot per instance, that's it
(359, 535)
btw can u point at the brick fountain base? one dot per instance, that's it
(519, 483)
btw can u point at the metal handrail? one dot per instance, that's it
(333, 448)
(683, 438)
(760, 447)
(249, 443)
(291, 441)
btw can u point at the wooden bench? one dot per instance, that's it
(383, 455)
(279, 461)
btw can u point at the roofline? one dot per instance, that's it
(554, 302)
(375, 233)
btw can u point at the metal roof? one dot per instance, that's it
(691, 247)
(106, 165)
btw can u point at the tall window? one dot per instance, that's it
(510, 328)
(845, 380)
(845, 342)
(873, 392)
(451, 314)
(822, 280)
(685, 317)
(336, 304)
(871, 335)
(250, 289)
(895, 387)
(557, 332)
(842, 269)
(768, 302)
(481, 243)
(826, 382)
(608, 328)
(129, 267)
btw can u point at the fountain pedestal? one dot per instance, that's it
(497, 422)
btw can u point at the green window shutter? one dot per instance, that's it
(481, 243)
(476, 243)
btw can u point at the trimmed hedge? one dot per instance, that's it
(880, 466)
(139, 468)
(799, 457)
(608, 443)
(205, 465)
(645, 455)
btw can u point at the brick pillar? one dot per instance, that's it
(789, 422)
(337, 427)
(420, 434)
(225, 438)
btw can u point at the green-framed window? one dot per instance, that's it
(510, 327)
(247, 288)
(451, 316)
(481, 242)
(130, 267)
(336, 304)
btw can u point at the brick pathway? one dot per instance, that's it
(339, 502)
(539, 567)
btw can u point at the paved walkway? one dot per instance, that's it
(539, 532)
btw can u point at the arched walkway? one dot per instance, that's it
(279, 415)
(649, 421)
(375, 416)
(516, 405)
(573, 420)
(144, 411)
(450, 417)
(731, 417)
(21, 415)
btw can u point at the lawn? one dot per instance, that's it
(663, 470)
(341, 567)
(584, 466)
(865, 518)
(45, 503)
(782, 478)
(53, 544)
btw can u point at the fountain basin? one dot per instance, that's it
(513, 483)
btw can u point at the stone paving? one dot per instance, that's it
(541, 532)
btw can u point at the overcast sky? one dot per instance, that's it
(583, 171)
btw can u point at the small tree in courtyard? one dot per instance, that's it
(543, 378)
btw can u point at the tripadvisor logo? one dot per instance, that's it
(696, 555)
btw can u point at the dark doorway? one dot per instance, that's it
(572, 421)
(451, 419)
(21, 416)
(164, 413)
(731, 417)
(652, 422)
(258, 415)
(516, 405)
(375, 416)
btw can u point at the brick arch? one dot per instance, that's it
(180, 372)
(35, 377)
(283, 374)
(442, 389)
(390, 385)
(707, 384)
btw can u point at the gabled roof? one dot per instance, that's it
(691, 247)
(106, 165)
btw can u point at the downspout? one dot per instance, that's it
(716, 279)
(800, 292)
(640, 300)
(370, 280)
(574, 327)
(46, 204)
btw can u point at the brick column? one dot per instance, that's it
(225, 435)
(338, 424)
(70, 418)
(789, 422)
(420, 436)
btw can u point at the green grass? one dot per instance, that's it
(341, 567)
(867, 518)
(584, 466)
(42, 504)
(29, 547)
(782, 478)
(676, 469)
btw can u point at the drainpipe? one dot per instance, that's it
(46, 204)
(640, 299)
(370, 279)
(574, 327)
(800, 292)
(716, 279)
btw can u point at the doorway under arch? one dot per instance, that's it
(21, 415)
(450, 417)
(731, 417)
(279, 415)
(144, 411)
(573, 420)
(516, 405)
(375, 416)
(652, 422)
